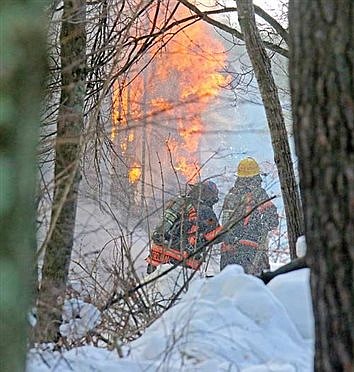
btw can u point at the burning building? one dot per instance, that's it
(157, 112)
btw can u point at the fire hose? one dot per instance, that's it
(162, 255)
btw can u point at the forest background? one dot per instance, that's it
(89, 141)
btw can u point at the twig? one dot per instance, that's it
(118, 297)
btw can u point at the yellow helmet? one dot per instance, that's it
(248, 167)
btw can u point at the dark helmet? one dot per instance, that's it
(206, 191)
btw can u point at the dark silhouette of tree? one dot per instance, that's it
(269, 93)
(70, 124)
(322, 87)
(23, 66)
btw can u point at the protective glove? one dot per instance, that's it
(159, 238)
(198, 256)
(191, 249)
(150, 269)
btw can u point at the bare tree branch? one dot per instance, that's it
(272, 21)
(297, 264)
(233, 31)
(117, 297)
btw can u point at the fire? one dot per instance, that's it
(170, 95)
(134, 173)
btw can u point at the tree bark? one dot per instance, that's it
(23, 66)
(70, 124)
(322, 87)
(269, 93)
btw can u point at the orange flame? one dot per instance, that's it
(174, 89)
(134, 173)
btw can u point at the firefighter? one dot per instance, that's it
(189, 222)
(246, 242)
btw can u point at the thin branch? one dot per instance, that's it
(118, 297)
(273, 22)
(297, 264)
(233, 31)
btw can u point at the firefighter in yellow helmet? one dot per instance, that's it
(246, 241)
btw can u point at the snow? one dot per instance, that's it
(230, 322)
(79, 317)
(301, 246)
(293, 291)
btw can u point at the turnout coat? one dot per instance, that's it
(246, 241)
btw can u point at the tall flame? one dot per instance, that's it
(173, 91)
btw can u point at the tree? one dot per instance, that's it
(269, 92)
(261, 63)
(114, 36)
(322, 87)
(70, 124)
(275, 46)
(23, 65)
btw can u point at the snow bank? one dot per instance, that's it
(81, 359)
(232, 319)
(231, 322)
(293, 291)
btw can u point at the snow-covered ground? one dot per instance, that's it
(230, 322)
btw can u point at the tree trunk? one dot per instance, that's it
(322, 87)
(70, 126)
(269, 92)
(22, 75)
